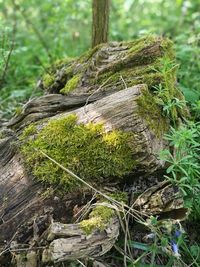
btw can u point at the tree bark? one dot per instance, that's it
(100, 24)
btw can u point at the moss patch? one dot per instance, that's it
(119, 196)
(48, 80)
(132, 64)
(71, 84)
(85, 149)
(60, 63)
(28, 131)
(101, 214)
(1, 135)
(150, 111)
(87, 55)
(98, 219)
(139, 44)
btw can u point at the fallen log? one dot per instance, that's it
(102, 133)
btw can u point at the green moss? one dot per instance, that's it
(150, 111)
(71, 84)
(48, 80)
(139, 44)
(133, 76)
(29, 130)
(138, 66)
(18, 110)
(146, 70)
(91, 224)
(167, 47)
(1, 135)
(101, 214)
(49, 77)
(102, 211)
(87, 55)
(58, 64)
(149, 60)
(85, 149)
(119, 196)
(98, 219)
(133, 66)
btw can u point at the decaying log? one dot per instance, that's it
(70, 242)
(110, 85)
(118, 111)
(22, 198)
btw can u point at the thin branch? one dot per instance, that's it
(135, 213)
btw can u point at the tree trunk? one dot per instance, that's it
(35, 216)
(100, 24)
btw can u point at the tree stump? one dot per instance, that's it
(102, 119)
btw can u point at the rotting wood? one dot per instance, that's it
(21, 194)
(70, 242)
(113, 100)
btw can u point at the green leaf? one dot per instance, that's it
(139, 245)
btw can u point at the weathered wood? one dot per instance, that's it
(118, 111)
(22, 201)
(109, 67)
(70, 242)
(50, 105)
(30, 261)
(109, 83)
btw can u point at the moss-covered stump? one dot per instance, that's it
(103, 117)
(108, 68)
(112, 64)
(111, 67)
(105, 141)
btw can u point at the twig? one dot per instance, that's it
(80, 262)
(85, 209)
(135, 213)
(26, 249)
(127, 236)
(125, 85)
(97, 90)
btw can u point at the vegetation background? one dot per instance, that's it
(39, 32)
(35, 33)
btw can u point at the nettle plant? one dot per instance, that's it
(184, 160)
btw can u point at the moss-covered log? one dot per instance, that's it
(105, 122)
